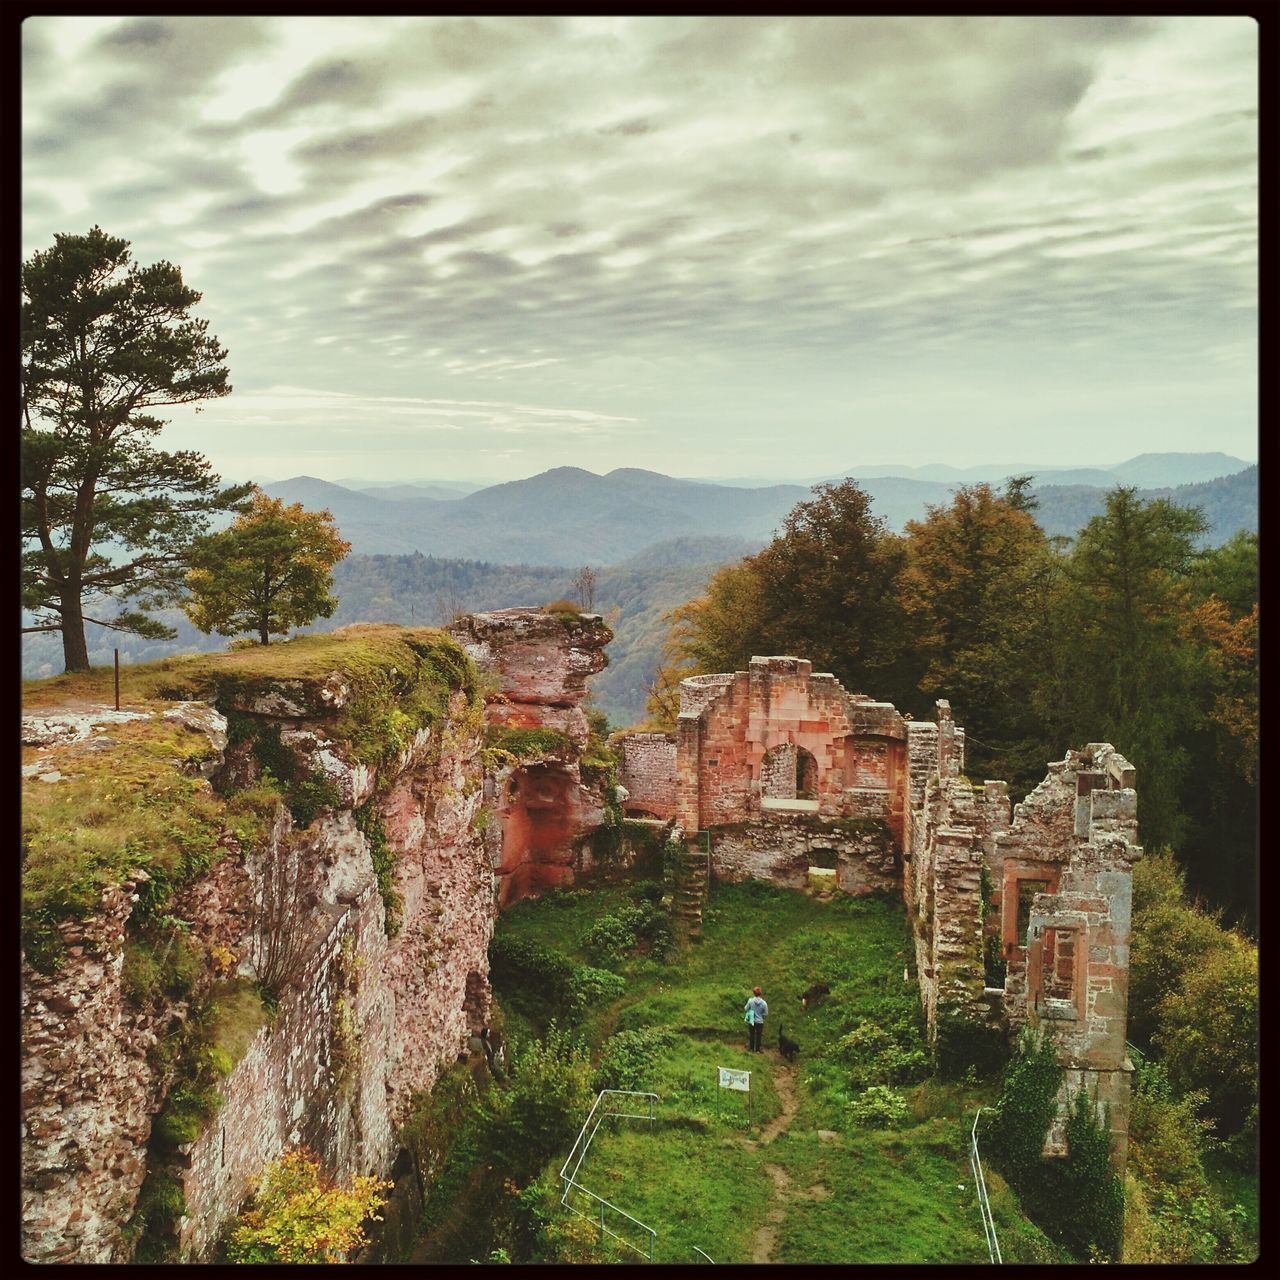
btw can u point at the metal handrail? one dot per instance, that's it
(984, 1204)
(570, 1179)
(706, 1257)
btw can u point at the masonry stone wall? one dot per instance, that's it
(780, 848)
(648, 772)
(780, 736)
(772, 760)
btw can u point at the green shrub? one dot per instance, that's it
(590, 987)
(188, 1107)
(1208, 1033)
(1027, 1106)
(881, 1055)
(537, 1111)
(620, 932)
(150, 1231)
(628, 1056)
(964, 1046)
(878, 1107)
(1089, 1209)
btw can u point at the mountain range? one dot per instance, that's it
(569, 516)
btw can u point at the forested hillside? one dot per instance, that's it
(1130, 634)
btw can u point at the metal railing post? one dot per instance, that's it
(984, 1203)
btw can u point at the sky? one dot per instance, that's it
(470, 248)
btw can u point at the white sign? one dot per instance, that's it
(731, 1079)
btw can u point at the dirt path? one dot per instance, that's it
(767, 1235)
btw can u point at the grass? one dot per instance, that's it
(702, 1179)
(127, 800)
(130, 798)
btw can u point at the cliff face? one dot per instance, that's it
(328, 857)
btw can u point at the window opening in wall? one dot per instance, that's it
(806, 775)
(823, 859)
(222, 1146)
(1059, 964)
(1027, 889)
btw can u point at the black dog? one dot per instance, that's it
(815, 993)
(788, 1048)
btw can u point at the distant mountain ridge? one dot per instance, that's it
(570, 516)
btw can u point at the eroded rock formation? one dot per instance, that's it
(352, 859)
(544, 801)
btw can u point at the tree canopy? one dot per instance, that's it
(106, 516)
(269, 571)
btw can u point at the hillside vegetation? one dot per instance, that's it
(854, 1153)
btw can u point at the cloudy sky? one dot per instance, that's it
(475, 249)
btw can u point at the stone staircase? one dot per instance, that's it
(690, 890)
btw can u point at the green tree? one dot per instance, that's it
(535, 1114)
(969, 589)
(271, 570)
(1208, 1032)
(1125, 671)
(106, 516)
(824, 589)
(298, 1215)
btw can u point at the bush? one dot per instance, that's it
(1090, 1209)
(627, 1059)
(187, 1109)
(613, 935)
(879, 1054)
(878, 1107)
(299, 1216)
(1077, 1200)
(1027, 1106)
(590, 986)
(1208, 1033)
(538, 1110)
(964, 1046)
(1170, 940)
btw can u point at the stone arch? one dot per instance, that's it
(789, 772)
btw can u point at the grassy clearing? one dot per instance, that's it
(847, 1194)
(130, 797)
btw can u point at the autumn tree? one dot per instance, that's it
(269, 571)
(299, 1216)
(969, 590)
(106, 516)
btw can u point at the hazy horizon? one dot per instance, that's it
(774, 247)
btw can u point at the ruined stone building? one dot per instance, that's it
(776, 773)
(446, 796)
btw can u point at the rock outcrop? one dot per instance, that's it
(545, 801)
(354, 889)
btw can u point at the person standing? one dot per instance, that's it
(755, 1012)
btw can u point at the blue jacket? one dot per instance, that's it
(756, 1010)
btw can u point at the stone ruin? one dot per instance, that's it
(775, 773)
(778, 773)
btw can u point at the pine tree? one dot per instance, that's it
(105, 515)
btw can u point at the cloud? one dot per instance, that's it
(568, 206)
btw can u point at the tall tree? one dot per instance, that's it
(106, 515)
(969, 588)
(829, 592)
(1130, 668)
(266, 573)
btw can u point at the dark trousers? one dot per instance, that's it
(756, 1032)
